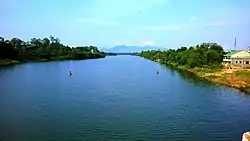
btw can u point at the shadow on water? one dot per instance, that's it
(172, 71)
(200, 82)
(192, 78)
(3, 71)
(188, 76)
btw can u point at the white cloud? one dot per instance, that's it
(192, 18)
(140, 43)
(147, 43)
(164, 27)
(116, 9)
(101, 22)
(220, 23)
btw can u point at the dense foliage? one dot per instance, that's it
(44, 49)
(205, 54)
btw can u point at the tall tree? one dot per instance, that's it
(52, 39)
(36, 42)
(16, 42)
(1, 39)
(46, 42)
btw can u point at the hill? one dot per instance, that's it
(130, 49)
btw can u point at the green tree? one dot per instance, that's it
(195, 56)
(46, 48)
(16, 42)
(46, 42)
(1, 39)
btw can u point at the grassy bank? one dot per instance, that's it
(8, 62)
(5, 62)
(204, 61)
(236, 78)
(35, 59)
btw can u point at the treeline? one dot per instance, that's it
(44, 49)
(203, 55)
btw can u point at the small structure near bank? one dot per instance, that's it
(239, 58)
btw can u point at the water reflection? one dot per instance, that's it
(188, 76)
(36, 101)
(5, 69)
(172, 71)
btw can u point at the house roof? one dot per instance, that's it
(232, 53)
(245, 57)
(241, 54)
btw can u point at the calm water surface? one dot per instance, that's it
(116, 98)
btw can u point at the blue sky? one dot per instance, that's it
(106, 23)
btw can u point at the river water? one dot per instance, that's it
(116, 98)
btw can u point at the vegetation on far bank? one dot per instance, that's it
(204, 60)
(46, 49)
(8, 62)
(203, 55)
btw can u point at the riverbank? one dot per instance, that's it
(42, 50)
(238, 78)
(8, 62)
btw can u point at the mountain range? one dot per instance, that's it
(130, 49)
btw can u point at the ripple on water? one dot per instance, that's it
(110, 99)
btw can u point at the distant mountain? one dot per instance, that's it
(130, 49)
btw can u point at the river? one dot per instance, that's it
(116, 98)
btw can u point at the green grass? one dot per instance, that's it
(243, 74)
(36, 59)
(209, 73)
(247, 88)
